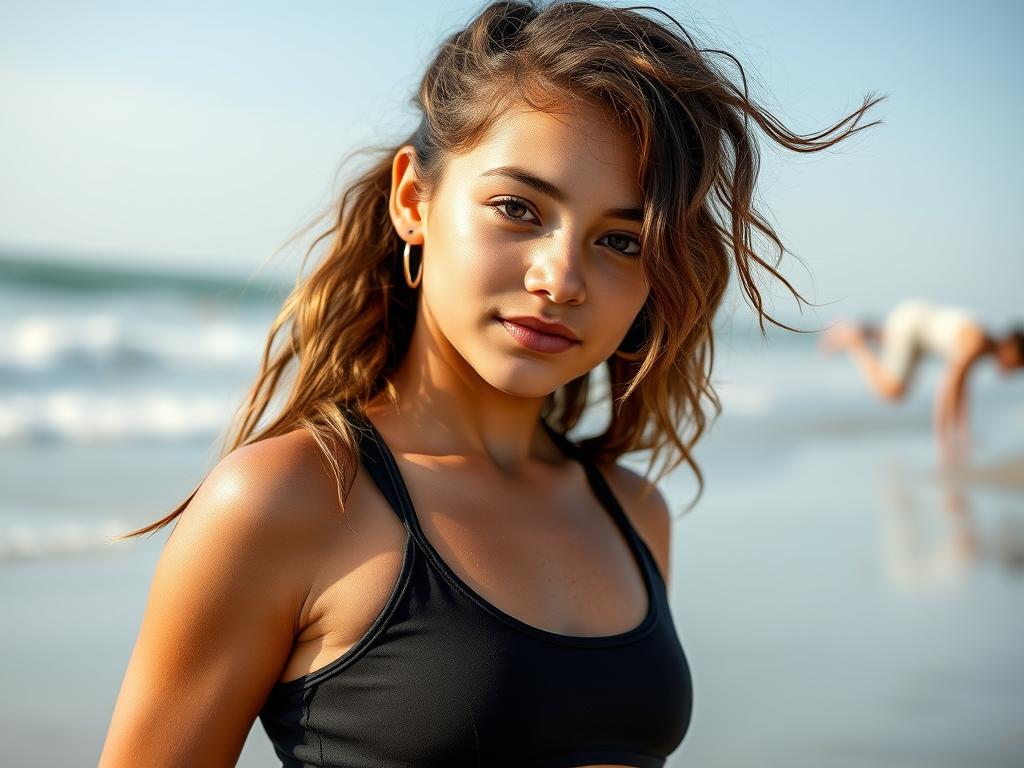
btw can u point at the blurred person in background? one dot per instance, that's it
(913, 329)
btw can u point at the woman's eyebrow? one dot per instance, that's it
(547, 188)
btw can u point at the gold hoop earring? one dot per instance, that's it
(408, 276)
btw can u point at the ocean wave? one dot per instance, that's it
(77, 416)
(48, 344)
(90, 274)
(22, 542)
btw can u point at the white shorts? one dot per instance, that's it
(916, 326)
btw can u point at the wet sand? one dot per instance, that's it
(839, 603)
(851, 606)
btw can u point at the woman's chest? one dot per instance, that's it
(502, 632)
(553, 562)
(443, 682)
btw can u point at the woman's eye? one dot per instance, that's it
(513, 204)
(617, 242)
(625, 240)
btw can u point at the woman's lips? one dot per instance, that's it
(535, 340)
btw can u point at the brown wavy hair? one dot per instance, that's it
(344, 328)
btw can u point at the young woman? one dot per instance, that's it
(411, 564)
(912, 329)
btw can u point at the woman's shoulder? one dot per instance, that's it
(282, 480)
(278, 490)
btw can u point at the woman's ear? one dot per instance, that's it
(407, 210)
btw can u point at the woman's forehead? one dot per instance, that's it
(575, 148)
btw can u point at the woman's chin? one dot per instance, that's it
(525, 378)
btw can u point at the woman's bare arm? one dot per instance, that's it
(220, 620)
(952, 427)
(845, 335)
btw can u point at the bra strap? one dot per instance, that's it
(594, 476)
(380, 464)
(603, 491)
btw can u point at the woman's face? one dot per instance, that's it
(564, 248)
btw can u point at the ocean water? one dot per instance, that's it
(842, 602)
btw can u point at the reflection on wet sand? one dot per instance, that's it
(929, 535)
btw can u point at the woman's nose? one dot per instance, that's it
(557, 270)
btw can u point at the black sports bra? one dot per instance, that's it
(444, 678)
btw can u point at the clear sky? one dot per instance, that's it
(206, 134)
